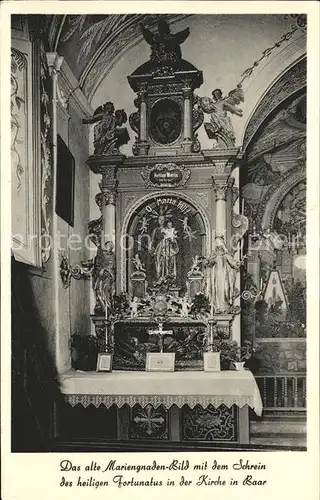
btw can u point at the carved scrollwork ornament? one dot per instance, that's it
(187, 92)
(235, 194)
(99, 199)
(109, 196)
(196, 146)
(134, 121)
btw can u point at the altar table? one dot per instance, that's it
(170, 390)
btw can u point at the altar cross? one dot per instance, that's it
(160, 332)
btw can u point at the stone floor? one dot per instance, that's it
(280, 428)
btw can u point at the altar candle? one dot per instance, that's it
(106, 310)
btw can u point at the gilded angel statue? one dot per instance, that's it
(221, 127)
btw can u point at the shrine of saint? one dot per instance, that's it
(179, 174)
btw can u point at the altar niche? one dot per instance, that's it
(166, 244)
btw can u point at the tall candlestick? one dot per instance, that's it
(106, 326)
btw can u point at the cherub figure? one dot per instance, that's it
(170, 232)
(134, 304)
(221, 126)
(138, 264)
(108, 134)
(144, 225)
(187, 231)
(185, 307)
(195, 266)
(185, 226)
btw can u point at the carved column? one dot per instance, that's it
(220, 187)
(108, 210)
(187, 118)
(222, 183)
(143, 129)
(143, 115)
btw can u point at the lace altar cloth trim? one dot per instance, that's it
(167, 401)
(162, 388)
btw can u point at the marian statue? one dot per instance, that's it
(222, 271)
(108, 134)
(165, 249)
(219, 107)
(103, 277)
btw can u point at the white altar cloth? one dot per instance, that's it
(162, 388)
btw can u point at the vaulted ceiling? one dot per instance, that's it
(102, 50)
(92, 43)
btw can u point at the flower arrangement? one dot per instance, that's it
(85, 349)
(200, 306)
(230, 352)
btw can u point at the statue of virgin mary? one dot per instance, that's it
(165, 249)
(222, 272)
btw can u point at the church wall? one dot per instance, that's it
(79, 292)
(62, 311)
(73, 302)
(40, 276)
(282, 355)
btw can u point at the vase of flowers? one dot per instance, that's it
(231, 354)
(84, 352)
(243, 354)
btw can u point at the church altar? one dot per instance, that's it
(220, 399)
(169, 252)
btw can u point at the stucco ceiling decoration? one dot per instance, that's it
(93, 43)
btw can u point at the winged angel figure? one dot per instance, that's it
(221, 127)
(165, 46)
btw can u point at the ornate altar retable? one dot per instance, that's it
(168, 253)
(160, 404)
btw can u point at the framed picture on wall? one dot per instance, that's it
(65, 182)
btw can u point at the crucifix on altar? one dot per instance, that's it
(160, 333)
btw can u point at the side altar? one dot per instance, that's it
(166, 276)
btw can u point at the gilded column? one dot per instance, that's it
(143, 116)
(143, 128)
(108, 210)
(187, 118)
(220, 188)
